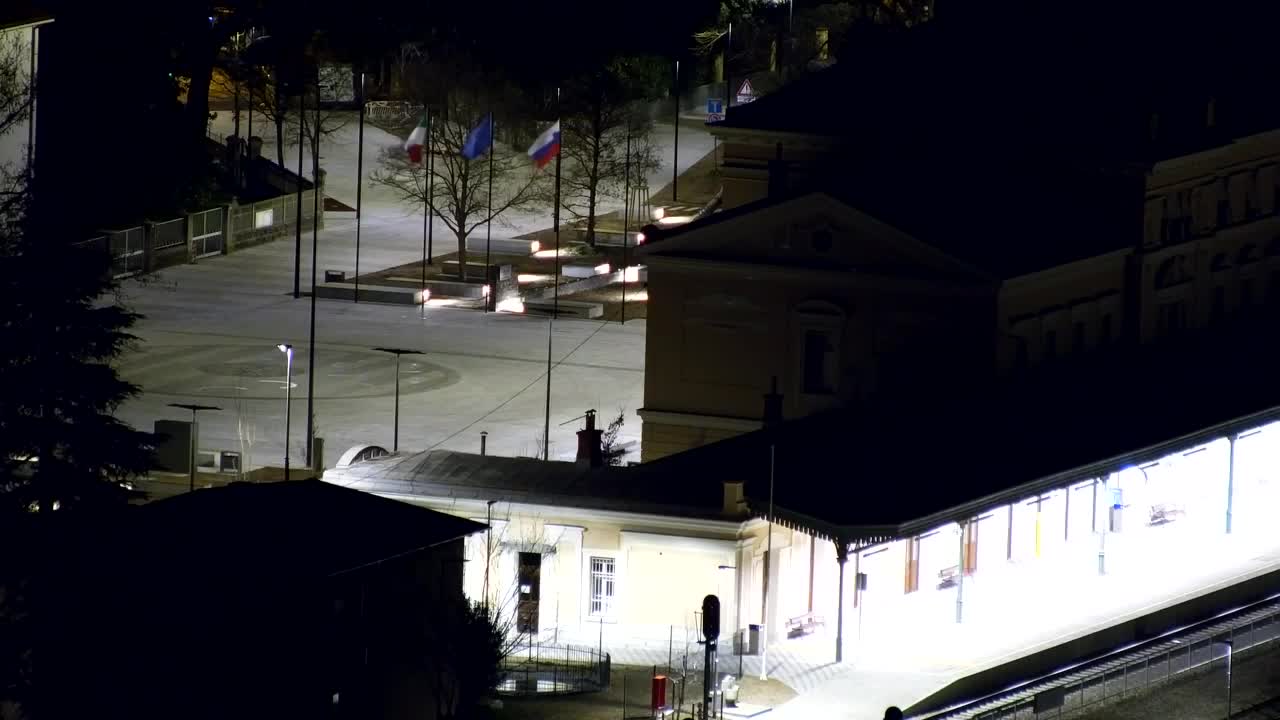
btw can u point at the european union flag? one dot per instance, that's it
(479, 140)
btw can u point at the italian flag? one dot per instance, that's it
(417, 139)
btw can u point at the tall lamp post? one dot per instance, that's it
(395, 439)
(191, 439)
(288, 400)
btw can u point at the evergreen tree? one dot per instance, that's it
(60, 329)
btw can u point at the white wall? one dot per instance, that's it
(16, 42)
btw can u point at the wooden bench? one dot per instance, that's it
(805, 624)
(568, 308)
(947, 577)
(370, 293)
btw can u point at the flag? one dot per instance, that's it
(417, 139)
(547, 146)
(479, 140)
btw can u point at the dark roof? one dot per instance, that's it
(22, 12)
(997, 244)
(305, 529)
(449, 474)
(896, 469)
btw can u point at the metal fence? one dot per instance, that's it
(167, 234)
(549, 669)
(392, 112)
(1128, 671)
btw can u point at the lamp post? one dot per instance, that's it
(191, 439)
(395, 439)
(288, 400)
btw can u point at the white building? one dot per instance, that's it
(19, 50)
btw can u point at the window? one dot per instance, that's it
(1219, 308)
(816, 348)
(1051, 345)
(1077, 337)
(1172, 318)
(603, 585)
(264, 218)
(1104, 330)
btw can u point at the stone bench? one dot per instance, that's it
(370, 293)
(445, 288)
(503, 246)
(568, 308)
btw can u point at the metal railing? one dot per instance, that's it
(1129, 670)
(534, 668)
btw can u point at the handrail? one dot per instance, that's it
(1135, 648)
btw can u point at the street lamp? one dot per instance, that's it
(288, 400)
(395, 439)
(191, 439)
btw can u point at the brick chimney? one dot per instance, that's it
(589, 451)
(772, 405)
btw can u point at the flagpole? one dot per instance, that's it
(297, 231)
(675, 162)
(488, 225)
(626, 220)
(315, 241)
(555, 307)
(359, 184)
(431, 192)
(426, 214)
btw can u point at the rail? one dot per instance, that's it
(1120, 673)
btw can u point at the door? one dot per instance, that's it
(529, 580)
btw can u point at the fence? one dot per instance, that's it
(392, 112)
(1123, 673)
(685, 697)
(551, 669)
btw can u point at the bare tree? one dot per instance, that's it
(600, 123)
(281, 110)
(460, 187)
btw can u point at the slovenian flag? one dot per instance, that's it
(547, 146)
(417, 139)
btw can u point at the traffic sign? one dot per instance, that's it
(746, 93)
(715, 110)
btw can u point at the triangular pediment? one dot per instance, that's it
(813, 231)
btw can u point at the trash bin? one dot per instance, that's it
(753, 639)
(335, 276)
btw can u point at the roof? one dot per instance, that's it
(457, 475)
(14, 13)
(302, 529)
(896, 470)
(1024, 75)
(952, 223)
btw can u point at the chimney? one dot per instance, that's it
(772, 405)
(735, 502)
(589, 451)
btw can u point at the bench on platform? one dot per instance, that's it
(370, 293)
(568, 308)
(805, 624)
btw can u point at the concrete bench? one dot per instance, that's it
(568, 308)
(444, 288)
(806, 624)
(474, 269)
(503, 246)
(370, 293)
(584, 271)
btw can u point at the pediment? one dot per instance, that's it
(813, 231)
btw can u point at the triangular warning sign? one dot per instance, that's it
(746, 88)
